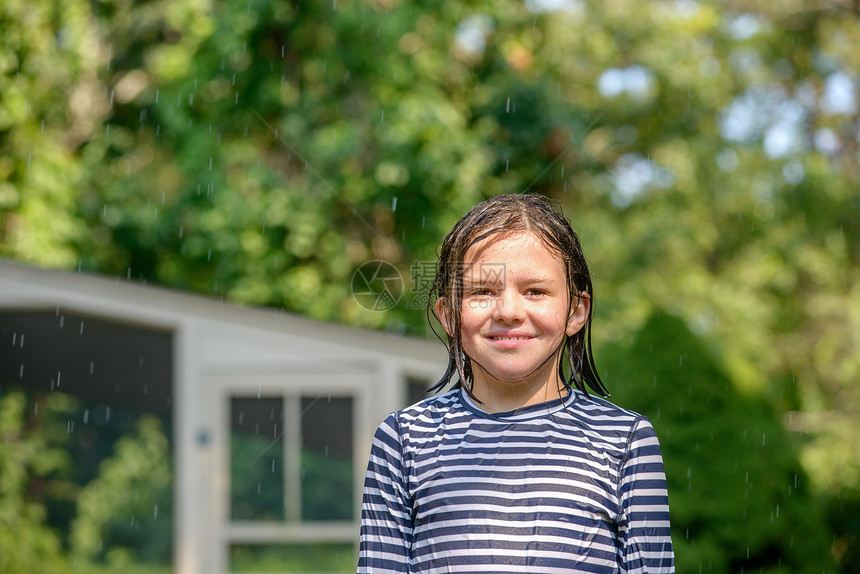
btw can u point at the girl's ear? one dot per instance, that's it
(579, 314)
(443, 312)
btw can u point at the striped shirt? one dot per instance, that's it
(571, 485)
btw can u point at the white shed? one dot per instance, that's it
(315, 391)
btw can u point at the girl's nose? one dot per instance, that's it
(508, 307)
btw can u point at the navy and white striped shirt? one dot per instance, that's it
(571, 485)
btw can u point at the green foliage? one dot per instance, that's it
(256, 477)
(25, 541)
(327, 487)
(123, 515)
(739, 497)
(294, 558)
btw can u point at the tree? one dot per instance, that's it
(739, 498)
(25, 541)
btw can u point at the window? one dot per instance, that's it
(257, 481)
(291, 459)
(416, 390)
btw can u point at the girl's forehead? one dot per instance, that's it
(508, 244)
(522, 255)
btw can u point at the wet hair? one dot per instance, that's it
(511, 214)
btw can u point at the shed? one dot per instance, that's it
(311, 393)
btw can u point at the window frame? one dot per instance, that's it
(302, 381)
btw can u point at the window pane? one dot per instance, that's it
(293, 558)
(416, 390)
(327, 466)
(257, 458)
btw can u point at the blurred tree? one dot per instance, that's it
(25, 541)
(123, 514)
(261, 150)
(738, 496)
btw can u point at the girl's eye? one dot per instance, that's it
(480, 292)
(534, 292)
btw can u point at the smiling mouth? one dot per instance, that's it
(510, 338)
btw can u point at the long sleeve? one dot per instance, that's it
(644, 536)
(386, 517)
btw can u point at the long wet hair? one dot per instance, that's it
(510, 214)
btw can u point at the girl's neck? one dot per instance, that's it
(500, 397)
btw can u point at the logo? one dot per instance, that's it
(377, 285)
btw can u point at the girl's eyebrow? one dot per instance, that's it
(493, 280)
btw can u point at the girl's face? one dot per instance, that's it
(514, 318)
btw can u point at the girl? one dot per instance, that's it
(514, 469)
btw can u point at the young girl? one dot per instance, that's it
(514, 469)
